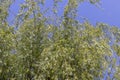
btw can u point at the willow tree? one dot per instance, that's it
(6, 42)
(68, 51)
(112, 35)
(42, 50)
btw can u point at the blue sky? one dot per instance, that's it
(108, 12)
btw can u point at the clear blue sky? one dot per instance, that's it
(109, 12)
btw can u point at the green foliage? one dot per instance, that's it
(41, 51)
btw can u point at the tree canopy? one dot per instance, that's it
(36, 48)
